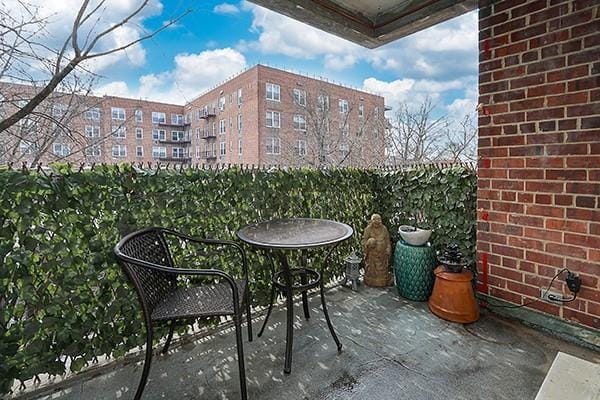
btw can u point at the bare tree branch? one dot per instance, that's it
(414, 136)
(12, 54)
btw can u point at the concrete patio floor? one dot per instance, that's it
(393, 349)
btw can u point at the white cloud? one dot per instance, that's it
(226, 8)
(461, 107)
(459, 35)
(278, 34)
(61, 14)
(337, 63)
(444, 51)
(117, 88)
(429, 86)
(411, 90)
(193, 73)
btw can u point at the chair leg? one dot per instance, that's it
(169, 337)
(248, 315)
(147, 363)
(240, 352)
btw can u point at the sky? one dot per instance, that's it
(219, 39)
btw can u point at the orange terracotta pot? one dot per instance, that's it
(452, 298)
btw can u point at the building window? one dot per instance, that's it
(59, 110)
(158, 117)
(376, 113)
(343, 106)
(25, 147)
(198, 130)
(361, 110)
(92, 113)
(27, 124)
(92, 131)
(139, 116)
(239, 122)
(178, 136)
(323, 103)
(273, 92)
(139, 133)
(214, 129)
(239, 147)
(344, 149)
(345, 127)
(222, 103)
(199, 113)
(300, 123)
(117, 113)
(119, 150)
(273, 119)
(222, 126)
(139, 151)
(179, 152)
(239, 97)
(222, 149)
(93, 151)
(119, 132)
(176, 119)
(159, 152)
(273, 146)
(159, 134)
(301, 148)
(198, 151)
(299, 97)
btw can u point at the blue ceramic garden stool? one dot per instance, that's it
(413, 267)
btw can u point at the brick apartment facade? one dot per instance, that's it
(539, 149)
(270, 116)
(261, 116)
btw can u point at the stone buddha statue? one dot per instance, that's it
(377, 249)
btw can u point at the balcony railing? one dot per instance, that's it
(209, 135)
(179, 141)
(171, 124)
(206, 114)
(185, 159)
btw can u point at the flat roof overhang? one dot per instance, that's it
(370, 23)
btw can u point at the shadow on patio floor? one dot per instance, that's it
(393, 349)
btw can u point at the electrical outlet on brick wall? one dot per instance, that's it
(547, 296)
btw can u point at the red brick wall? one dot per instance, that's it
(539, 149)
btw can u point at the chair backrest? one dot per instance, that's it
(147, 245)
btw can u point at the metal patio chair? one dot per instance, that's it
(147, 261)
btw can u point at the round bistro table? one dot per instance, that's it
(279, 236)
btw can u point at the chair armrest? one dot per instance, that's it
(213, 242)
(186, 271)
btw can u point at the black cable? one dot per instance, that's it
(536, 300)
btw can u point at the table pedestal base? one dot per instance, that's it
(283, 281)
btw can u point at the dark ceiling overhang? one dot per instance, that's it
(370, 23)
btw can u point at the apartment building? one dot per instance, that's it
(144, 131)
(261, 116)
(269, 116)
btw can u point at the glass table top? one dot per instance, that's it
(295, 233)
